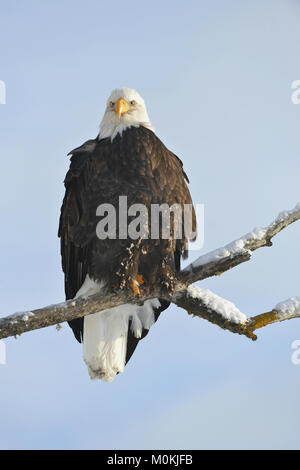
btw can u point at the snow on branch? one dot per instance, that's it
(285, 310)
(220, 260)
(205, 304)
(197, 301)
(21, 322)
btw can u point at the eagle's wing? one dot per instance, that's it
(75, 254)
(171, 184)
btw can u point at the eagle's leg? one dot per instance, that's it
(127, 273)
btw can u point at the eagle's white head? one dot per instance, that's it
(125, 108)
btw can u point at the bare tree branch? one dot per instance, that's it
(203, 304)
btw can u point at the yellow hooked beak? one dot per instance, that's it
(121, 107)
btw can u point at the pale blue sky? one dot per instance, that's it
(216, 77)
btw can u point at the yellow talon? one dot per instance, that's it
(135, 285)
(140, 279)
(135, 288)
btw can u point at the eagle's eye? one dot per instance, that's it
(111, 104)
(133, 103)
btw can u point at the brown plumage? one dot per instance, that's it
(135, 164)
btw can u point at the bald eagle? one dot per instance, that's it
(126, 159)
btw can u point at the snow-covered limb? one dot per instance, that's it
(205, 304)
(199, 302)
(285, 310)
(216, 304)
(238, 251)
(21, 322)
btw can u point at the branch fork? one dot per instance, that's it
(198, 302)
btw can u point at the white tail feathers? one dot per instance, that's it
(105, 333)
(105, 343)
